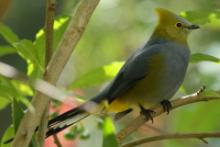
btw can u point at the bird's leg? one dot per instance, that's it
(167, 106)
(119, 115)
(147, 113)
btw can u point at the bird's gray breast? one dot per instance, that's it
(176, 58)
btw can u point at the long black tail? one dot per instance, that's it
(65, 120)
(62, 121)
(70, 117)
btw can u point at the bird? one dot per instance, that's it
(150, 76)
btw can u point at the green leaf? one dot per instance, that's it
(198, 57)
(85, 135)
(201, 16)
(76, 131)
(9, 133)
(6, 49)
(60, 25)
(17, 113)
(8, 34)
(10, 89)
(97, 76)
(39, 45)
(7, 90)
(23, 88)
(33, 56)
(35, 62)
(29, 52)
(109, 137)
(3, 102)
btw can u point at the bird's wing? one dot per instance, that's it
(135, 69)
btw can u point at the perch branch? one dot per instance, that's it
(200, 136)
(141, 119)
(70, 39)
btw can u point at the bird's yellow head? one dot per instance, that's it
(172, 26)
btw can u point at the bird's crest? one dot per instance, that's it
(172, 26)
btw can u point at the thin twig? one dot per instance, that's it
(57, 141)
(49, 22)
(141, 119)
(158, 130)
(70, 39)
(199, 136)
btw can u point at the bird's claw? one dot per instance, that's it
(167, 106)
(148, 113)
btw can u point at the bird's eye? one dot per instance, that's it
(178, 25)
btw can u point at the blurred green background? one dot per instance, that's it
(116, 29)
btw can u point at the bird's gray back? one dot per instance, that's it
(135, 74)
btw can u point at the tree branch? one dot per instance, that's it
(141, 119)
(70, 39)
(49, 21)
(48, 30)
(199, 136)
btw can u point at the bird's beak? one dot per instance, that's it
(192, 27)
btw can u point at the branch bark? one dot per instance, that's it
(49, 21)
(48, 30)
(70, 39)
(141, 119)
(57, 141)
(200, 136)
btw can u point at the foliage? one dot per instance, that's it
(109, 133)
(108, 40)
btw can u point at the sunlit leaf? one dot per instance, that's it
(201, 16)
(59, 28)
(35, 62)
(7, 90)
(14, 89)
(3, 102)
(9, 133)
(27, 50)
(97, 76)
(109, 137)
(214, 20)
(23, 88)
(8, 34)
(33, 56)
(198, 57)
(39, 45)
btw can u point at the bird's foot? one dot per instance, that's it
(147, 113)
(201, 90)
(167, 106)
